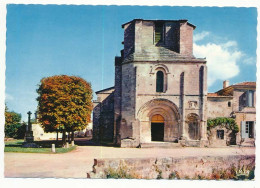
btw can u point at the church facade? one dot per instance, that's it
(160, 92)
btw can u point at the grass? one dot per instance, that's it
(44, 147)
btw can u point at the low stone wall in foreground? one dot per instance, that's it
(204, 167)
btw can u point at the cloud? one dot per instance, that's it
(249, 60)
(222, 59)
(230, 44)
(200, 36)
(8, 97)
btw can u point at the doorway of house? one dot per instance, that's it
(157, 128)
(250, 128)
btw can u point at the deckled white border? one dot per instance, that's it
(73, 183)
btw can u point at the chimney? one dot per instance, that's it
(225, 84)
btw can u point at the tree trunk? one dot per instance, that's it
(72, 136)
(57, 137)
(69, 137)
(63, 138)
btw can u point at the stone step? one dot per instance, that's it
(193, 143)
(160, 145)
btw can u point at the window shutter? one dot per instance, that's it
(243, 130)
(250, 98)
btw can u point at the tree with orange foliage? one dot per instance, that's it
(64, 104)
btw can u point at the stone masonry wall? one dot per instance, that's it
(129, 39)
(128, 100)
(240, 101)
(139, 41)
(146, 77)
(103, 119)
(96, 116)
(166, 168)
(117, 99)
(218, 107)
(186, 39)
(172, 36)
(146, 85)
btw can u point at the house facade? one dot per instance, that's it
(160, 92)
(239, 102)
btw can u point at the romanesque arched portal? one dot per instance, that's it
(159, 121)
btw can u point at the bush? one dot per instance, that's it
(229, 123)
(120, 173)
(15, 131)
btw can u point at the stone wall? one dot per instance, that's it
(103, 119)
(139, 38)
(240, 103)
(218, 107)
(166, 168)
(229, 137)
(39, 133)
(129, 39)
(117, 99)
(186, 42)
(128, 100)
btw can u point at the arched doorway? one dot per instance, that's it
(193, 126)
(162, 116)
(157, 128)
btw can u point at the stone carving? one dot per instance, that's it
(193, 104)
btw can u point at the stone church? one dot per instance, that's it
(160, 92)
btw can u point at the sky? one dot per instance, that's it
(47, 40)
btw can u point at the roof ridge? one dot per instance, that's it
(105, 89)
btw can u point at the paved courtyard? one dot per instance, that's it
(76, 163)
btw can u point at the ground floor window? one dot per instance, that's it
(220, 134)
(249, 129)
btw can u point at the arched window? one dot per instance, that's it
(159, 81)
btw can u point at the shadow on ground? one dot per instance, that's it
(88, 141)
(85, 141)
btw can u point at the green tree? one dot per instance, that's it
(64, 104)
(13, 127)
(12, 117)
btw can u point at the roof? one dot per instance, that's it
(216, 95)
(242, 85)
(245, 84)
(181, 21)
(104, 90)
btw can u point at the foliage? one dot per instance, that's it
(229, 123)
(12, 118)
(13, 126)
(175, 175)
(15, 131)
(64, 103)
(120, 173)
(235, 173)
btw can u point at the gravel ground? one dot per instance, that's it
(76, 163)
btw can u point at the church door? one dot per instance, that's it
(157, 128)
